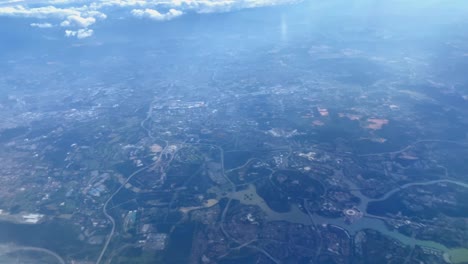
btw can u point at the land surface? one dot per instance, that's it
(323, 143)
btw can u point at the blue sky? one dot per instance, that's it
(77, 18)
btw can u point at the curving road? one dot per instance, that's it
(388, 194)
(104, 208)
(108, 216)
(9, 248)
(413, 144)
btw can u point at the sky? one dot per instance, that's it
(78, 17)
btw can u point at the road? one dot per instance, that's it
(388, 194)
(413, 144)
(12, 248)
(108, 216)
(104, 208)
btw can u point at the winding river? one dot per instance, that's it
(455, 255)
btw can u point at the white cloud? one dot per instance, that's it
(78, 21)
(156, 15)
(80, 33)
(38, 12)
(5, 2)
(74, 16)
(96, 14)
(211, 6)
(82, 14)
(127, 3)
(41, 25)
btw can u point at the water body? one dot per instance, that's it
(249, 196)
(56, 233)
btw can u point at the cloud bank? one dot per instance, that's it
(80, 33)
(154, 14)
(41, 25)
(79, 15)
(78, 21)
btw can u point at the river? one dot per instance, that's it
(249, 196)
